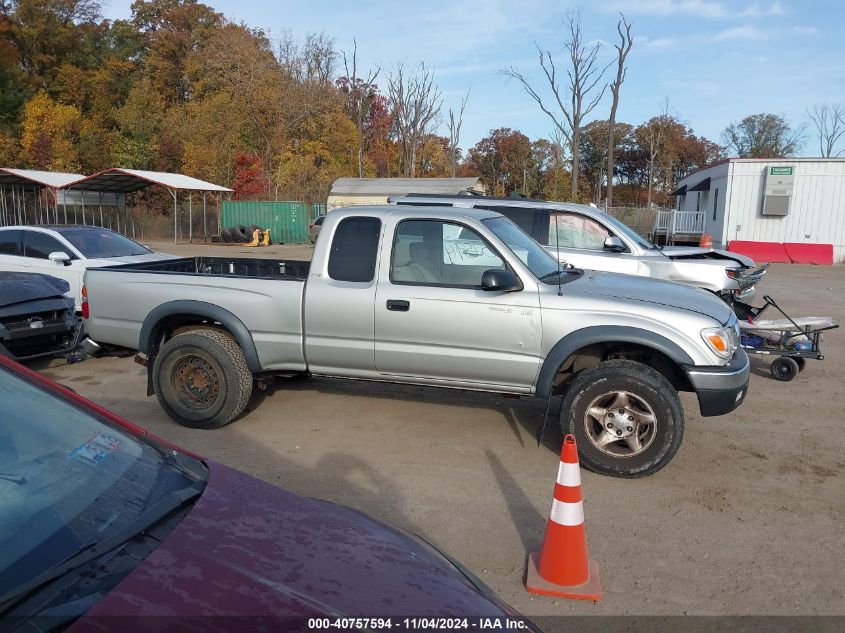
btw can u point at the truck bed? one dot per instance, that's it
(265, 294)
(224, 267)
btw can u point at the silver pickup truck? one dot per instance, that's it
(429, 296)
(589, 238)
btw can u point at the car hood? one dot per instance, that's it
(22, 287)
(248, 548)
(648, 290)
(695, 252)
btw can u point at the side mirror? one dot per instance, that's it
(614, 244)
(59, 257)
(500, 281)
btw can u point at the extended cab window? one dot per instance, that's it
(9, 242)
(433, 253)
(40, 245)
(354, 250)
(576, 231)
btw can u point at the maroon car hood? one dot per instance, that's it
(248, 548)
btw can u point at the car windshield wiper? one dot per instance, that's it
(91, 551)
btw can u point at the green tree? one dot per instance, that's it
(763, 136)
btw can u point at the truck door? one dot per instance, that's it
(433, 322)
(339, 297)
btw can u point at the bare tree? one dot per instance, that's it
(829, 121)
(622, 50)
(656, 130)
(416, 105)
(360, 94)
(455, 121)
(584, 78)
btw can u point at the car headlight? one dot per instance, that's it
(724, 341)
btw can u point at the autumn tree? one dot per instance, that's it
(49, 134)
(500, 160)
(174, 29)
(415, 101)
(763, 136)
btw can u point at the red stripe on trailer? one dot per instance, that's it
(810, 253)
(761, 252)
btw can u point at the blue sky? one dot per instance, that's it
(716, 61)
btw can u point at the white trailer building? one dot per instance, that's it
(789, 200)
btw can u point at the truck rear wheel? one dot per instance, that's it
(626, 417)
(201, 379)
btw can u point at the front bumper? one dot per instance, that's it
(720, 390)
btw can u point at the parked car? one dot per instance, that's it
(102, 519)
(314, 229)
(433, 296)
(589, 238)
(66, 251)
(36, 318)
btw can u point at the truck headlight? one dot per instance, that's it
(722, 340)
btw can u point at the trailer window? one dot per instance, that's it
(354, 250)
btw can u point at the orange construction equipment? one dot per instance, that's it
(706, 241)
(562, 567)
(256, 236)
(266, 240)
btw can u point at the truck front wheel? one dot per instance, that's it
(201, 379)
(626, 417)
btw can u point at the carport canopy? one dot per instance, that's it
(119, 180)
(35, 179)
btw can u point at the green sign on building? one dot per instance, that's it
(780, 171)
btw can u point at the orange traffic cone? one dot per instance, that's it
(562, 568)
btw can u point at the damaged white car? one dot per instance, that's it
(589, 238)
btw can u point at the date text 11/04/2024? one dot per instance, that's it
(416, 624)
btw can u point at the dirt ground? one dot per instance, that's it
(747, 519)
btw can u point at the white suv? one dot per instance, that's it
(66, 251)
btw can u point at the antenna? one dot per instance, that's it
(557, 256)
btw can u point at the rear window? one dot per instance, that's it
(354, 250)
(9, 242)
(99, 243)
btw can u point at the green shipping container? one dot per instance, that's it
(287, 221)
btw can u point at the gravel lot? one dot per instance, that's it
(748, 518)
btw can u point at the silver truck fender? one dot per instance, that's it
(579, 339)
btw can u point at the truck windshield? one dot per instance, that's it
(70, 480)
(542, 265)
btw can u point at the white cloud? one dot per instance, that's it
(657, 42)
(698, 8)
(805, 30)
(741, 33)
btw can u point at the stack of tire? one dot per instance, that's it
(239, 234)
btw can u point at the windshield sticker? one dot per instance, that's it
(96, 449)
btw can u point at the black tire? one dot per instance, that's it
(784, 368)
(226, 236)
(646, 389)
(802, 362)
(240, 233)
(252, 228)
(217, 360)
